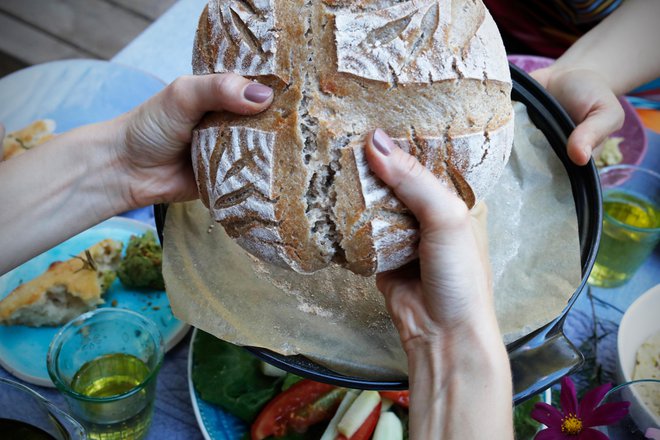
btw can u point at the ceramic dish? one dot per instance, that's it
(638, 324)
(214, 423)
(72, 93)
(634, 144)
(23, 349)
(217, 424)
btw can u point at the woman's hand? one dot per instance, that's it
(86, 175)
(449, 287)
(154, 149)
(589, 101)
(442, 306)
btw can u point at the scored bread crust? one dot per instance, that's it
(292, 184)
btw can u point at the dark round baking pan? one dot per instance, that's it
(543, 357)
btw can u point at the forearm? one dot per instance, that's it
(58, 190)
(461, 390)
(623, 48)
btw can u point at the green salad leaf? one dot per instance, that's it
(230, 377)
(290, 380)
(524, 426)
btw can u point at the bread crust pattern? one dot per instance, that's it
(292, 185)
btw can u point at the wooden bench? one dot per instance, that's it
(37, 31)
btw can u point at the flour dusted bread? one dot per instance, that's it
(67, 289)
(292, 184)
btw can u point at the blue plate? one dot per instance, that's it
(23, 349)
(214, 423)
(72, 93)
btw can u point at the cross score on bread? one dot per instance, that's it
(292, 184)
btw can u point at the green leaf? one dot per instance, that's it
(230, 377)
(523, 423)
(290, 380)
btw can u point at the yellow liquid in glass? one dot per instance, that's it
(623, 249)
(114, 375)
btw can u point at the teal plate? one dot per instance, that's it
(215, 423)
(23, 349)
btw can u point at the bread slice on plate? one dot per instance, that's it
(67, 289)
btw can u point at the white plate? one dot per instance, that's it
(23, 349)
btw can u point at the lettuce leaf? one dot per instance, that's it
(230, 377)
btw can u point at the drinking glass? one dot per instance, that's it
(105, 362)
(631, 223)
(35, 417)
(643, 419)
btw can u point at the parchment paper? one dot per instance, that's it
(338, 318)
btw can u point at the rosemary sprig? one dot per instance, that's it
(88, 262)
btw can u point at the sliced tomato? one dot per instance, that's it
(275, 418)
(367, 428)
(401, 398)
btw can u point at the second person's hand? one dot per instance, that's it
(589, 101)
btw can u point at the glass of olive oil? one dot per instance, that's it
(631, 223)
(105, 362)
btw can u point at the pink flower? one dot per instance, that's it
(575, 421)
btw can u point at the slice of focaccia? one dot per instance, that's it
(19, 141)
(67, 289)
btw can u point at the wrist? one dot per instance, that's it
(461, 387)
(106, 172)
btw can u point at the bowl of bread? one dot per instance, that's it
(291, 186)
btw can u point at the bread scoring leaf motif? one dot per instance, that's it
(239, 160)
(408, 43)
(242, 37)
(300, 193)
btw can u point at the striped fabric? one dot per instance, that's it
(549, 27)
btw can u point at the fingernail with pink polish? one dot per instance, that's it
(382, 142)
(257, 93)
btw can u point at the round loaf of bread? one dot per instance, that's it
(292, 184)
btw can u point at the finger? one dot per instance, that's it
(192, 96)
(603, 119)
(428, 199)
(541, 76)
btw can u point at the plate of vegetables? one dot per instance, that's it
(237, 396)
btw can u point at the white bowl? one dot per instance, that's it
(641, 321)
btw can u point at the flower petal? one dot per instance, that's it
(592, 434)
(592, 399)
(607, 414)
(546, 414)
(652, 433)
(567, 398)
(550, 434)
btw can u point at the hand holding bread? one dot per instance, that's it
(291, 184)
(443, 307)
